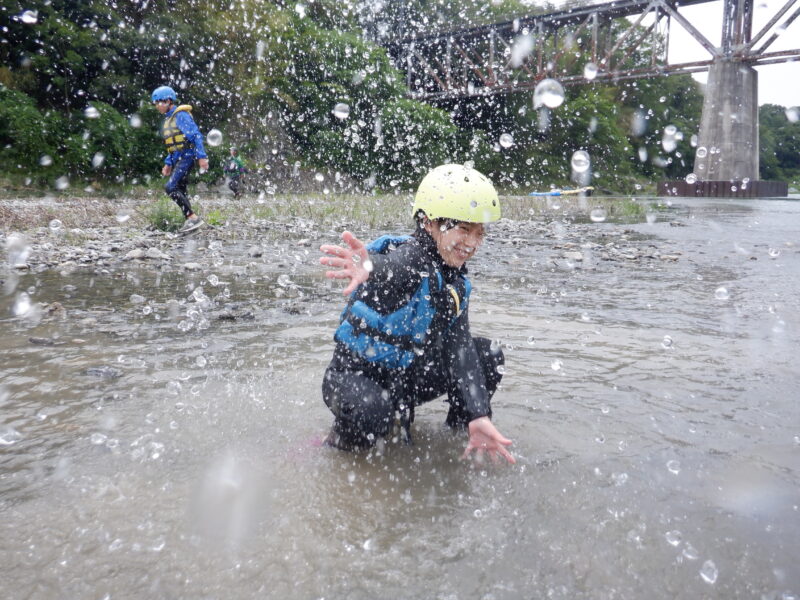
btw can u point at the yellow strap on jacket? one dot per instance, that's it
(173, 137)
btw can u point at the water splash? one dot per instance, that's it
(590, 71)
(341, 111)
(549, 93)
(709, 572)
(214, 137)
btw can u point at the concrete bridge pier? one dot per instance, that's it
(729, 124)
(726, 157)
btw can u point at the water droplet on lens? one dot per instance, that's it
(62, 182)
(506, 140)
(45, 160)
(201, 361)
(580, 161)
(619, 478)
(674, 466)
(341, 110)
(721, 293)
(590, 71)
(55, 225)
(709, 572)
(598, 214)
(702, 152)
(214, 137)
(690, 552)
(774, 252)
(91, 112)
(9, 435)
(674, 537)
(29, 17)
(319, 177)
(691, 178)
(556, 364)
(135, 121)
(666, 342)
(531, 340)
(793, 114)
(549, 93)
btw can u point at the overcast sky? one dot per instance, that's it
(778, 83)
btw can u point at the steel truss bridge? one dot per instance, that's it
(624, 39)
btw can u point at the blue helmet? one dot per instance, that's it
(163, 93)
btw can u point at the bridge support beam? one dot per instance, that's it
(729, 124)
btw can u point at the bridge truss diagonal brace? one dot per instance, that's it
(691, 29)
(783, 27)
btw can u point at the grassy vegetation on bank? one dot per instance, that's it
(144, 208)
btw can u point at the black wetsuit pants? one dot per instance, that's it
(365, 407)
(177, 184)
(234, 184)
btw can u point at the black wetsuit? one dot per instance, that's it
(382, 369)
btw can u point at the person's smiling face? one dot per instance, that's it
(456, 244)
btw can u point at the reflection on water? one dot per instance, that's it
(160, 432)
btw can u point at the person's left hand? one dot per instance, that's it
(203, 163)
(484, 437)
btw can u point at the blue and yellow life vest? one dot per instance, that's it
(391, 339)
(173, 136)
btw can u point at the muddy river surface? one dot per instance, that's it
(160, 427)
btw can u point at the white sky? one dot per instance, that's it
(777, 83)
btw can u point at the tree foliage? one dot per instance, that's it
(75, 77)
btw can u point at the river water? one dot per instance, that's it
(154, 447)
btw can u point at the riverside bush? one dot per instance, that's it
(164, 215)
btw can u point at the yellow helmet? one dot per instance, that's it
(457, 192)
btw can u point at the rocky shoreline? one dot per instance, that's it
(101, 235)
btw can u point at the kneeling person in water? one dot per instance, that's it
(404, 337)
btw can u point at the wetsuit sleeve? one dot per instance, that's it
(394, 278)
(189, 128)
(463, 364)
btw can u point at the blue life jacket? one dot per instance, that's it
(392, 340)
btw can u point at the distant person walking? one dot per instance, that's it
(184, 145)
(234, 170)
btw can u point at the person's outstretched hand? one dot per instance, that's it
(352, 263)
(484, 437)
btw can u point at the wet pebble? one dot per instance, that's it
(103, 371)
(42, 341)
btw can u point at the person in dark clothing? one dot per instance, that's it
(404, 335)
(234, 170)
(184, 145)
